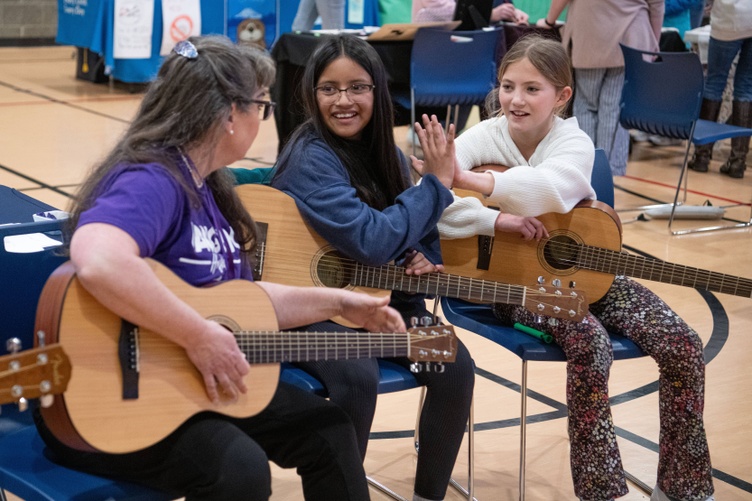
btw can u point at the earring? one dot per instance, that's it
(232, 131)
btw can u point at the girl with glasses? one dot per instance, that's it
(352, 185)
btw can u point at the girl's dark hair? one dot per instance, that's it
(375, 168)
(186, 105)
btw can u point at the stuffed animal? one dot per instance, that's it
(251, 32)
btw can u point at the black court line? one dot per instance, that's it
(42, 184)
(657, 202)
(64, 103)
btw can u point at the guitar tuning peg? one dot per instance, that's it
(572, 284)
(413, 321)
(439, 368)
(556, 282)
(426, 321)
(41, 338)
(573, 294)
(23, 404)
(13, 345)
(428, 366)
(416, 367)
(541, 280)
(46, 400)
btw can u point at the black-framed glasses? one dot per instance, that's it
(266, 108)
(355, 92)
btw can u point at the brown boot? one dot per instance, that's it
(741, 115)
(703, 154)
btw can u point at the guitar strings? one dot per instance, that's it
(620, 263)
(441, 284)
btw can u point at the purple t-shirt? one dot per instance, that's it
(149, 204)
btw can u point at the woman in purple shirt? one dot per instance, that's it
(163, 193)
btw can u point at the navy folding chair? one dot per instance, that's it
(392, 378)
(450, 68)
(480, 319)
(25, 471)
(662, 95)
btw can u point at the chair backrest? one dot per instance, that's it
(453, 67)
(601, 179)
(662, 92)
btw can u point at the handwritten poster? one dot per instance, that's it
(181, 19)
(133, 25)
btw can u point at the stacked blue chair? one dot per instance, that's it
(438, 57)
(480, 319)
(662, 95)
(24, 469)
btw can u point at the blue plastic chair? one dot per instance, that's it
(479, 318)
(662, 95)
(24, 469)
(450, 68)
(392, 378)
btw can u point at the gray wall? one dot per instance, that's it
(27, 20)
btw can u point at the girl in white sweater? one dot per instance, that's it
(528, 161)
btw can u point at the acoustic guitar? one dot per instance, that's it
(290, 252)
(40, 372)
(131, 387)
(583, 251)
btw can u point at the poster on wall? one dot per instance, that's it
(180, 19)
(132, 25)
(252, 22)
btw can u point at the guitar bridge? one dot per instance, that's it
(258, 266)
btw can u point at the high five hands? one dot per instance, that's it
(438, 151)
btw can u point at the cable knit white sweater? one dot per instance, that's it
(554, 179)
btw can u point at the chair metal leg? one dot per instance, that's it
(523, 428)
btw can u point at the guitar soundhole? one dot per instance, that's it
(560, 252)
(333, 271)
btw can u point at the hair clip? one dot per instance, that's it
(186, 49)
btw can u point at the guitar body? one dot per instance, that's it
(294, 254)
(92, 415)
(508, 258)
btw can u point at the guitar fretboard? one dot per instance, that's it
(620, 263)
(471, 289)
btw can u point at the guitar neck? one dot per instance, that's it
(266, 347)
(619, 263)
(392, 277)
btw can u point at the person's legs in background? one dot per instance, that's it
(596, 106)
(306, 16)
(741, 112)
(332, 14)
(720, 57)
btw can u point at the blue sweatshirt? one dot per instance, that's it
(320, 185)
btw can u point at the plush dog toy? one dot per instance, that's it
(251, 32)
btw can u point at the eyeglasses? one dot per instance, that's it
(266, 108)
(356, 92)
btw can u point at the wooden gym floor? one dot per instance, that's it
(54, 127)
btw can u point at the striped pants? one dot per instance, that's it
(596, 106)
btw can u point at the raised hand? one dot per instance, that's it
(438, 150)
(418, 264)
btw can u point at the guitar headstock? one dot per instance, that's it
(557, 302)
(436, 343)
(37, 373)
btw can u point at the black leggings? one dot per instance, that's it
(353, 385)
(214, 457)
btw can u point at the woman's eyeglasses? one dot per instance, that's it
(266, 108)
(356, 92)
